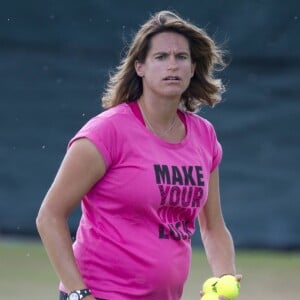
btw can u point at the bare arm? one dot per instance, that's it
(216, 238)
(81, 168)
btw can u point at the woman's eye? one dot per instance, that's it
(182, 57)
(160, 57)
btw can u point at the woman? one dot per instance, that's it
(144, 170)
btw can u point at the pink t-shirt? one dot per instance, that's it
(134, 237)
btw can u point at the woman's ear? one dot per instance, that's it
(139, 68)
(193, 69)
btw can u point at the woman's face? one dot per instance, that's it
(168, 68)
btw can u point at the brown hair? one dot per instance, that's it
(204, 89)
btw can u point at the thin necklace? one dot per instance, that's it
(148, 124)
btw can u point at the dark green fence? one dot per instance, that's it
(54, 61)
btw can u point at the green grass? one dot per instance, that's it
(26, 273)
(267, 275)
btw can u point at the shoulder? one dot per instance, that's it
(200, 123)
(103, 131)
(106, 125)
(113, 113)
(204, 131)
(108, 117)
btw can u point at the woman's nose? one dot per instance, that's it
(172, 63)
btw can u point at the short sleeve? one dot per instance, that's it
(216, 149)
(98, 130)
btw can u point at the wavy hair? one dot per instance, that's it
(204, 89)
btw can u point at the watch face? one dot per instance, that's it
(74, 296)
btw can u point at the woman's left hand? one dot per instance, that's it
(238, 278)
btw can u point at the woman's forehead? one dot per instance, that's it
(169, 41)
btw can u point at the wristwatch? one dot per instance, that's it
(79, 294)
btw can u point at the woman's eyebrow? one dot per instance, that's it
(168, 52)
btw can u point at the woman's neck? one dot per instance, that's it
(159, 111)
(160, 117)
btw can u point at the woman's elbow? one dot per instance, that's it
(45, 220)
(41, 220)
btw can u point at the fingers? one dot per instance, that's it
(239, 277)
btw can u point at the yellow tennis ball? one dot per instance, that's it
(228, 287)
(210, 296)
(209, 285)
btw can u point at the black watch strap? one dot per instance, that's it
(80, 293)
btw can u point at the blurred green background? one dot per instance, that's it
(55, 57)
